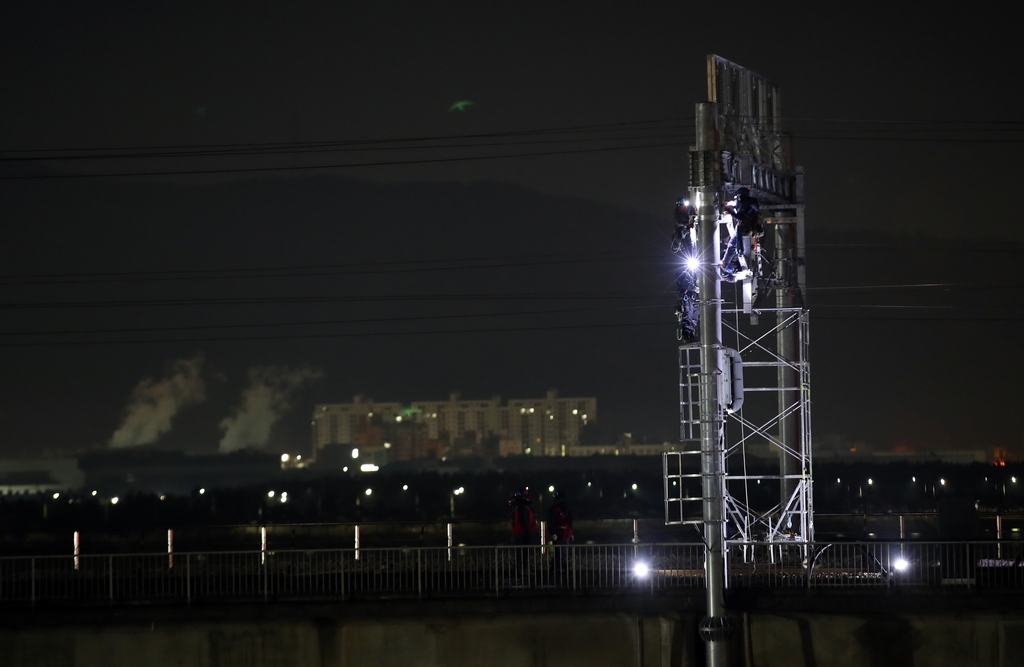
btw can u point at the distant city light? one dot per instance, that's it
(201, 492)
(590, 483)
(113, 501)
(1012, 479)
(369, 492)
(870, 481)
(551, 489)
(298, 457)
(531, 411)
(94, 493)
(398, 419)
(913, 479)
(528, 450)
(575, 412)
(584, 418)
(387, 445)
(355, 453)
(641, 570)
(405, 487)
(56, 495)
(270, 494)
(942, 482)
(838, 481)
(634, 487)
(901, 565)
(369, 467)
(163, 497)
(345, 469)
(284, 458)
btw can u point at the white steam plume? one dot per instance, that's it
(267, 398)
(154, 403)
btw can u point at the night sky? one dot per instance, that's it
(553, 267)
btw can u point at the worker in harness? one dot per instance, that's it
(745, 213)
(684, 244)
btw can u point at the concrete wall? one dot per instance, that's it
(883, 640)
(557, 640)
(620, 639)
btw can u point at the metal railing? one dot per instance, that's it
(346, 574)
(979, 565)
(437, 572)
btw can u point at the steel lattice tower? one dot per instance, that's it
(748, 469)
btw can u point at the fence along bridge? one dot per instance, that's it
(421, 573)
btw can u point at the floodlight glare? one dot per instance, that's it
(901, 565)
(641, 570)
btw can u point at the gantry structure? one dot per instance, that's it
(744, 385)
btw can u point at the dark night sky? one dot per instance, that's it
(913, 203)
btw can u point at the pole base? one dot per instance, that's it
(715, 628)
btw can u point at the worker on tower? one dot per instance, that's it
(684, 243)
(746, 228)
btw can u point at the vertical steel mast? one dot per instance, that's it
(705, 193)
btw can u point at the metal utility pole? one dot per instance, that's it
(713, 628)
(787, 299)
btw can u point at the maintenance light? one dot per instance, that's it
(641, 570)
(692, 263)
(901, 565)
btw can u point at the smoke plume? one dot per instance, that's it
(154, 403)
(265, 400)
